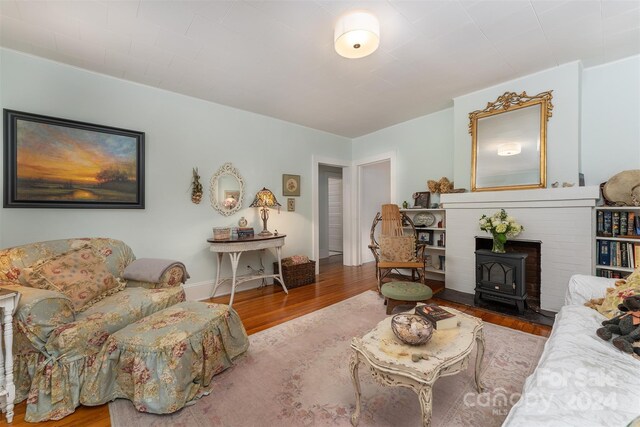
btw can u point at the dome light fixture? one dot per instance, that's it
(509, 149)
(357, 34)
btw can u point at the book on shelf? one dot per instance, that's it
(631, 230)
(607, 223)
(600, 222)
(624, 259)
(623, 223)
(637, 227)
(603, 251)
(437, 316)
(615, 223)
(636, 254)
(631, 261)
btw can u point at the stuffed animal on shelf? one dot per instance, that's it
(626, 325)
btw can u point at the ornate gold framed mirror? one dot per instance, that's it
(509, 142)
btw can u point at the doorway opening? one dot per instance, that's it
(375, 190)
(331, 212)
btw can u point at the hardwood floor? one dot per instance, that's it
(263, 308)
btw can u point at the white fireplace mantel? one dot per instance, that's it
(546, 197)
(560, 218)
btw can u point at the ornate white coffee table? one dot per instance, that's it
(389, 360)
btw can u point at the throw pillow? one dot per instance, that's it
(398, 248)
(81, 274)
(608, 306)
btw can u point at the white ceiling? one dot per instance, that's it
(276, 57)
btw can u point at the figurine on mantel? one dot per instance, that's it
(564, 184)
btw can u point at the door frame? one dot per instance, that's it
(347, 178)
(391, 157)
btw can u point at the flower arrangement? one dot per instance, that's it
(501, 226)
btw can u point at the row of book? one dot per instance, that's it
(611, 274)
(618, 223)
(618, 254)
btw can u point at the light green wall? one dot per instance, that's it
(424, 151)
(181, 132)
(562, 129)
(610, 119)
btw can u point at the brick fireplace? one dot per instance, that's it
(560, 219)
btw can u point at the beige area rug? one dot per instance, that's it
(296, 374)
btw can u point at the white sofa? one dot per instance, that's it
(580, 379)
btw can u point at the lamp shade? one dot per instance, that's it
(265, 199)
(357, 35)
(509, 149)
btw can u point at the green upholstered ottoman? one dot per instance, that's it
(397, 293)
(166, 360)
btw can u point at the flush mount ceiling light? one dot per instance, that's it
(357, 34)
(509, 149)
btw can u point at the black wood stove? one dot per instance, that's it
(501, 277)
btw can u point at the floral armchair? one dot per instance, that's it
(55, 342)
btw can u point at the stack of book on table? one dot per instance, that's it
(245, 232)
(438, 316)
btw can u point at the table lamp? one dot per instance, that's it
(264, 200)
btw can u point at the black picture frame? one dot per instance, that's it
(421, 199)
(51, 162)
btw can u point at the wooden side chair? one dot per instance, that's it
(396, 247)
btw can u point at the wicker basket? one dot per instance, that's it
(297, 275)
(221, 233)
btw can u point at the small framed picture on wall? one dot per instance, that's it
(291, 204)
(290, 185)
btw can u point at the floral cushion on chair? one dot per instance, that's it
(398, 248)
(81, 274)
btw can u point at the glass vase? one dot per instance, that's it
(498, 245)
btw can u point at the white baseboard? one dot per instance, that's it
(199, 291)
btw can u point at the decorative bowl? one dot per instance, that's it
(424, 219)
(411, 329)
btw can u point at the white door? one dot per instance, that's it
(335, 214)
(375, 190)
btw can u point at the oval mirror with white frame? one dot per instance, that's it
(509, 142)
(226, 190)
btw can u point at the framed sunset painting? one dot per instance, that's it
(57, 163)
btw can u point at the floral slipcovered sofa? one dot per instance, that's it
(58, 336)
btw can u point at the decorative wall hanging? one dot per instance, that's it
(196, 187)
(290, 185)
(227, 190)
(57, 163)
(291, 205)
